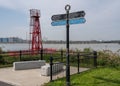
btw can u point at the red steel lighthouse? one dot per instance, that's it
(35, 30)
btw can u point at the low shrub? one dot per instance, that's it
(108, 58)
(105, 58)
(1, 60)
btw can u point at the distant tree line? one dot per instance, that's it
(20, 40)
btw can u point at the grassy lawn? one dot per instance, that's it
(95, 77)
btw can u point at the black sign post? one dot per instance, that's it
(67, 8)
(67, 19)
(71, 16)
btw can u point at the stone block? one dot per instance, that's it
(56, 68)
(22, 65)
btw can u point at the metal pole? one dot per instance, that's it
(78, 58)
(20, 54)
(51, 63)
(67, 8)
(95, 58)
(41, 54)
(61, 55)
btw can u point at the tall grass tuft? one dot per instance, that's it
(108, 58)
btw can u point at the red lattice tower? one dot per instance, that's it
(35, 30)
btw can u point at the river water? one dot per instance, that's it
(115, 47)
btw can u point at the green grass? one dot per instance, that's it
(95, 77)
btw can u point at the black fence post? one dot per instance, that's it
(78, 59)
(95, 58)
(41, 54)
(61, 55)
(51, 63)
(20, 55)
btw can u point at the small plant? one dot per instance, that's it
(87, 50)
(1, 60)
(0, 50)
(108, 58)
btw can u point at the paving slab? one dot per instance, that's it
(31, 77)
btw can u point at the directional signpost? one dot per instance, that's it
(67, 19)
(71, 21)
(71, 16)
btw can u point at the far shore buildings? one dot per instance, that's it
(12, 40)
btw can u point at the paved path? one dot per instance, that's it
(30, 77)
(73, 70)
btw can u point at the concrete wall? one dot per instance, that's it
(28, 64)
(56, 68)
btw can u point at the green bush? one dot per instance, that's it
(105, 58)
(1, 60)
(87, 50)
(10, 59)
(0, 50)
(30, 57)
(108, 58)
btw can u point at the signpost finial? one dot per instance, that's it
(67, 7)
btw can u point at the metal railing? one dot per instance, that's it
(77, 60)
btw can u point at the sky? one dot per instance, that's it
(102, 19)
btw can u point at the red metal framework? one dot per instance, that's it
(35, 30)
